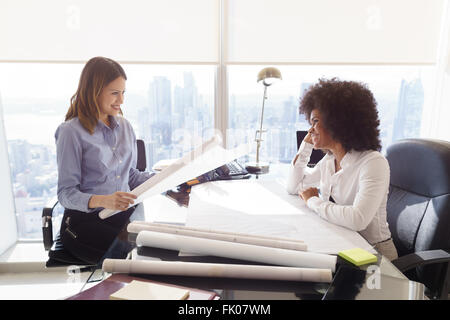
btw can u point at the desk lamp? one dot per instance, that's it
(267, 76)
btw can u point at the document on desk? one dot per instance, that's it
(263, 207)
(202, 159)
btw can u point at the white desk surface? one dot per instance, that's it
(263, 207)
(254, 206)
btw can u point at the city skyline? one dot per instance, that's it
(167, 114)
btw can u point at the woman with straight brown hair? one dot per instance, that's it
(96, 156)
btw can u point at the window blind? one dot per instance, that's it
(330, 31)
(135, 30)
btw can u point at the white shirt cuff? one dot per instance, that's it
(314, 203)
(303, 153)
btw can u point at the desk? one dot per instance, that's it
(164, 209)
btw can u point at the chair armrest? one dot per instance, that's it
(421, 258)
(47, 226)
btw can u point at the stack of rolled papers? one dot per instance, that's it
(226, 249)
(288, 256)
(282, 243)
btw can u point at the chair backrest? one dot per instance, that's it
(141, 157)
(418, 206)
(316, 155)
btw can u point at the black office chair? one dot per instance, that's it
(316, 155)
(418, 211)
(57, 255)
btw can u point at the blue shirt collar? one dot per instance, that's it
(113, 122)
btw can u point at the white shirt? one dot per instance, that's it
(359, 189)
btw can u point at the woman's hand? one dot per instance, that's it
(308, 193)
(308, 138)
(116, 201)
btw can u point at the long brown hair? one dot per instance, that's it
(97, 73)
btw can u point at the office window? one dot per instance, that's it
(402, 93)
(35, 99)
(172, 51)
(8, 226)
(170, 107)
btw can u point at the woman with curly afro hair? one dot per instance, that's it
(349, 186)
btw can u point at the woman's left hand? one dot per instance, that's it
(308, 193)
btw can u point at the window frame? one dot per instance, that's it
(221, 103)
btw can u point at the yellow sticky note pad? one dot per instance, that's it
(358, 256)
(139, 290)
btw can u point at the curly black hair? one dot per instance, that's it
(348, 112)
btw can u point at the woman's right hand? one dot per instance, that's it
(116, 201)
(308, 138)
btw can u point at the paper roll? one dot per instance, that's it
(196, 269)
(282, 243)
(275, 256)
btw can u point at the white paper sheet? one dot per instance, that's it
(207, 157)
(263, 207)
(275, 256)
(163, 209)
(197, 269)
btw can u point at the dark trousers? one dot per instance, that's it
(88, 237)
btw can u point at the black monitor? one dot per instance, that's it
(316, 155)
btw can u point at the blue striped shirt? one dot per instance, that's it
(97, 164)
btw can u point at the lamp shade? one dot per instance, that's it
(268, 75)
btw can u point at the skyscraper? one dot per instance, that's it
(409, 111)
(160, 103)
(19, 153)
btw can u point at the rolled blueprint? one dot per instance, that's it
(282, 243)
(197, 269)
(281, 257)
